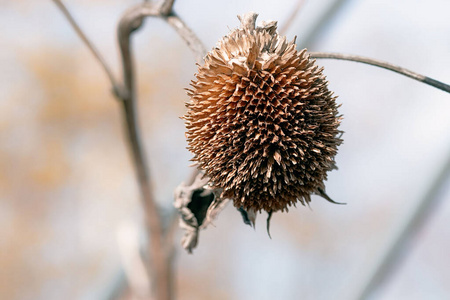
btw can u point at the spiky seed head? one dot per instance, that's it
(261, 121)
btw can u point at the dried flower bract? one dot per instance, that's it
(261, 121)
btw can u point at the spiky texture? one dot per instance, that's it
(261, 121)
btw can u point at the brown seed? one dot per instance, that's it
(261, 121)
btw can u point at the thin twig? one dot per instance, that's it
(292, 16)
(116, 87)
(391, 258)
(188, 36)
(385, 65)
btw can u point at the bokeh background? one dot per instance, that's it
(68, 196)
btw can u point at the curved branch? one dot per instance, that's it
(141, 11)
(132, 20)
(116, 86)
(385, 65)
(159, 264)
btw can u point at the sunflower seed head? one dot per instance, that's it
(261, 121)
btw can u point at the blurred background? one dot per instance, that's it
(68, 196)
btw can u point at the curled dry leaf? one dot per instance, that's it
(198, 204)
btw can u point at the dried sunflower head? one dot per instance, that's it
(261, 121)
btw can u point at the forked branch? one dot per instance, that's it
(160, 253)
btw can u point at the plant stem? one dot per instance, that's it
(159, 264)
(385, 65)
(161, 247)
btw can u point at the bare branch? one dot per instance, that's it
(385, 65)
(160, 258)
(159, 272)
(90, 45)
(292, 16)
